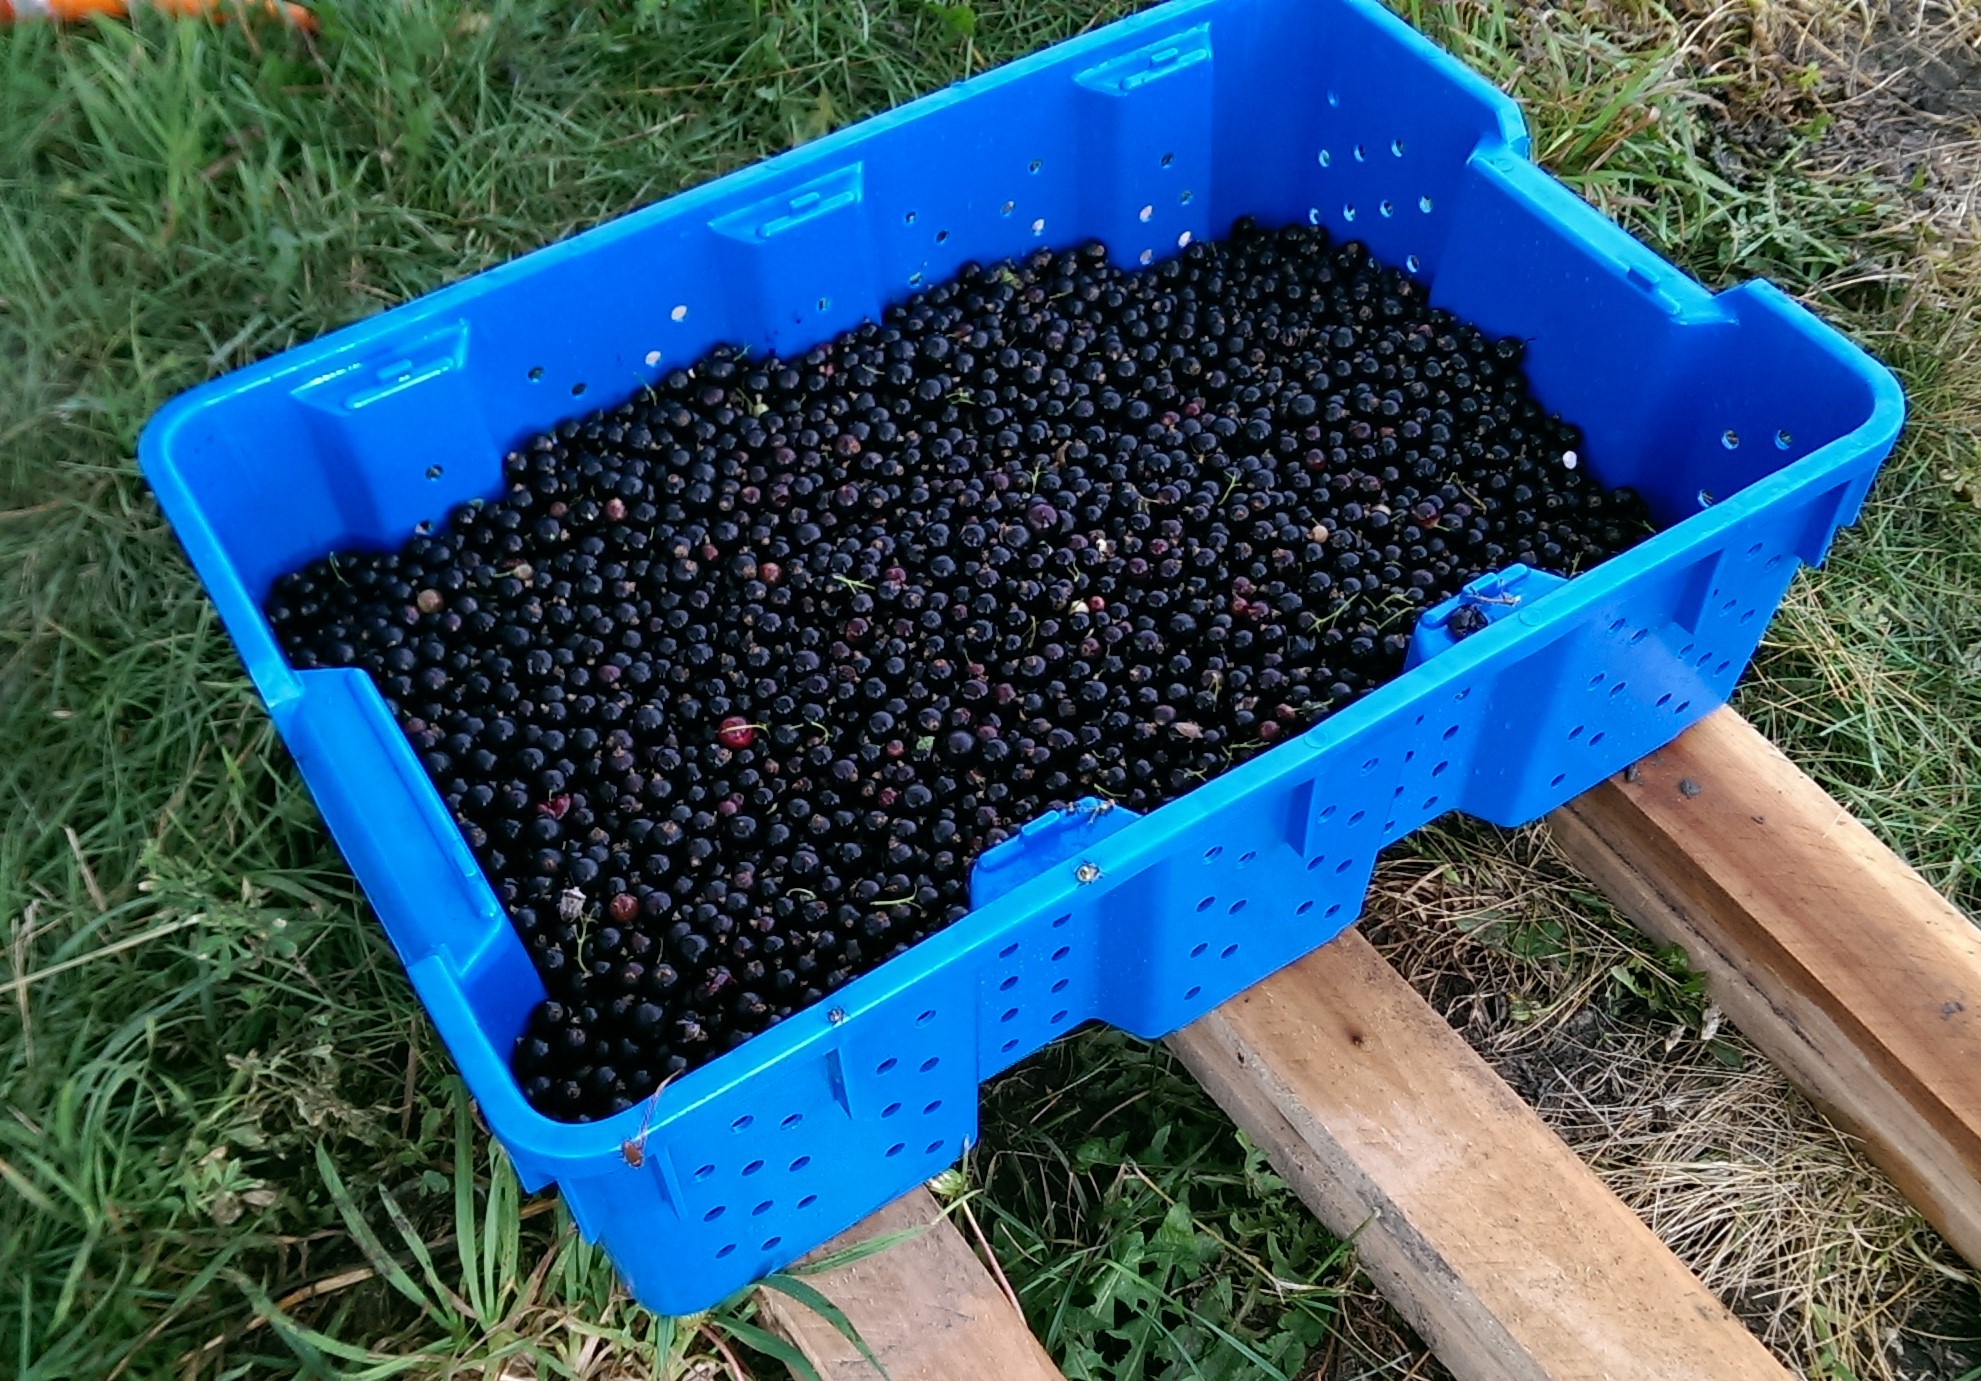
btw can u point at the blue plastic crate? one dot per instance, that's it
(1162, 127)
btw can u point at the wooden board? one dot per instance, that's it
(1484, 1230)
(926, 1306)
(1827, 951)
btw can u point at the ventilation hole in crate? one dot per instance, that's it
(915, 279)
(1061, 953)
(1185, 196)
(1410, 755)
(1357, 817)
(1597, 680)
(800, 1164)
(1303, 908)
(1730, 439)
(1168, 159)
(1316, 861)
(742, 1124)
(1334, 98)
(1755, 550)
(1783, 441)
(1190, 995)
(1247, 857)
(1227, 951)
(1747, 615)
(908, 218)
(1235, 907)
(1145, 256)
(433, 472)
(1438, 771)
(824, 303)
(1059, 1016)
(577, 390)
(886, 1065)
(1705, 657)
(1213, 852)
(423, 528)
(1664, 700)
(1332, 911)
(1324, 158)
(1720, 670)
(1431, 803)
(808, 1201)
(1035, 165)
(1197, 950)
(536, 374)
(941, 236)
(1009, 1045)
(1010, 1015)
(1062, 920)
(1007, 208)
(1451, 733)
(1061, 985)
(1313, 215)
(1728, 607)
(1681, 707)
(1183, 240)
(1686, 651)
(766, 1206)
(930, 1063)
(1425, 204)
(653, 358)
(1558, 779)
(680, 312)
(1576, 732)
(1413, 263)
(1619, 625)
(1706, 499)
(1344, 865)
(925, 1018)
(1348, 211)
(1039, 226)
(890, 1110)
(714, 1213)
(1361, 153)
(1371, 765)
(1595, 738)
(1008, 984)
(1145, 213)
(1774, 561)
(1617, 689)
(705, 1172)
(1461, 693)
(1387, 208)
(1327, 813)
(753, 1167)
(897, 1148)
(1008, 950)
(728, 1249)
(934, 1106)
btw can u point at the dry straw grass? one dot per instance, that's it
(1776, 1210)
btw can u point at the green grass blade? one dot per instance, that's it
(808, 1295)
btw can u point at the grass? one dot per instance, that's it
(228, 1141)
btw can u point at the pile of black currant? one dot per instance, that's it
(734, 681)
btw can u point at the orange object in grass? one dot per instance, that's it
(66, 11)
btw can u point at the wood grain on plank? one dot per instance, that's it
(1827, 951)
(926, 1306)
(1484, 1230)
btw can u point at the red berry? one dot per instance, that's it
(737, 732)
